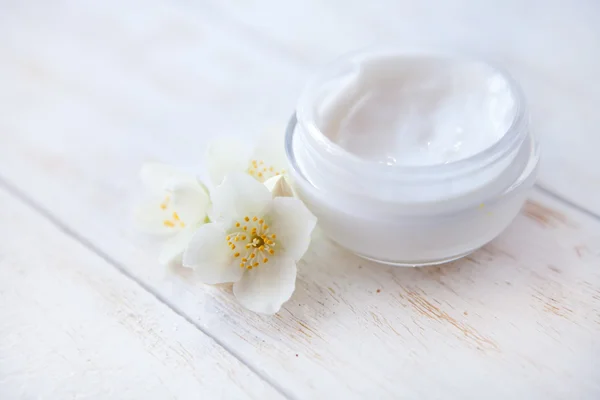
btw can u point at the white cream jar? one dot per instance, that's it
(411, 158)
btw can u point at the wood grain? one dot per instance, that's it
(84, 105)
(71, 326)
(519, 317)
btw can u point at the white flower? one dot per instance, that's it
(255, 242)
(177, 207)
(264, 161)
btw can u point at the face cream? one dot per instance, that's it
(411, 159)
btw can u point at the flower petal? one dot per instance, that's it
(173, 248)
(226, 155)
(149, 217)
(279, 186)
(293, 223)
(210, 257)
(266, 288)
(271, 149)
(156, 176)
(240, 195)
(190, 202)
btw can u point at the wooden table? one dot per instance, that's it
(91, 89)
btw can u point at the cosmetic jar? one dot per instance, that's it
(411, 158)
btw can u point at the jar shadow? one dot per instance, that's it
(329, 274)
(328, 259)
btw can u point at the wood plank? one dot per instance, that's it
(519, 318)
(71, 326)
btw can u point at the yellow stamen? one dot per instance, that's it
(257, 240)
(168, 223)
(165, 203)
(260, 174)
(175, 216)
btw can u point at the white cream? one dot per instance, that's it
(420, 111)
(412, 159)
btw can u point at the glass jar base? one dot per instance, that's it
(417, 263)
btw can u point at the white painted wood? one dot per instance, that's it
(83, 105)
(73, 327)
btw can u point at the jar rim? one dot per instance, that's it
(512, 138)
